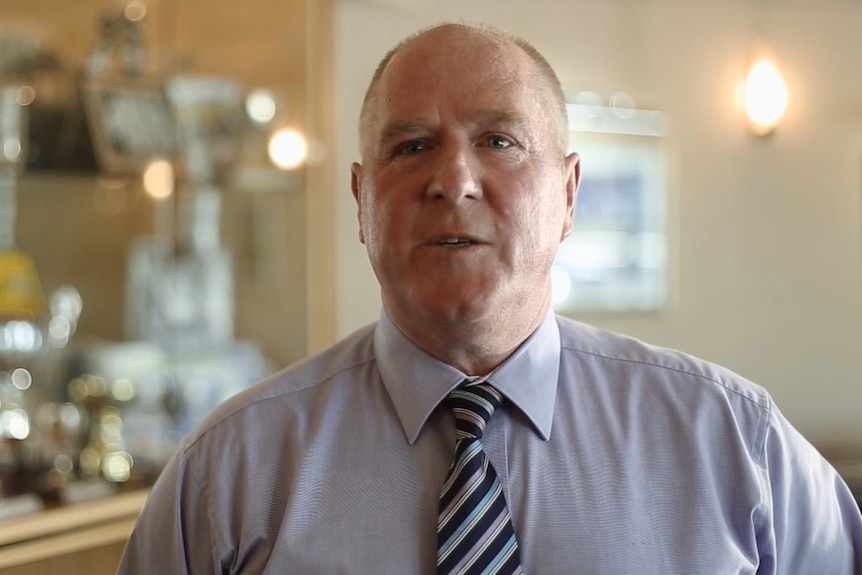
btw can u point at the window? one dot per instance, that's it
(616, 257)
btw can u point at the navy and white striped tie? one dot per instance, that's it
(474, 528)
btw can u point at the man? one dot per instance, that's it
(606, 455)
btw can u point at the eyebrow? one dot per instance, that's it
(394, 130)
(502, 116)
(492, 116)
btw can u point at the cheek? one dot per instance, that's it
(370, 224)
(380, 223)
(543, 218)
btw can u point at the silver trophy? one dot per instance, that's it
(39, 436)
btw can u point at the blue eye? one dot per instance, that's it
(498, 142)
(411, 147)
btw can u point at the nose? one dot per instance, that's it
(456, 174)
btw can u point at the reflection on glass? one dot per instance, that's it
(615, 257)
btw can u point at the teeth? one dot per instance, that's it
(454, 241)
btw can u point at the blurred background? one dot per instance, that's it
(762, 233)
(176, 218)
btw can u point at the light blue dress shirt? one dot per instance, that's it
(616, 458)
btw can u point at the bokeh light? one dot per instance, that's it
(159, 179)
(288, 149)
(260, 106)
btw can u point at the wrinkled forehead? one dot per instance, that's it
(451, 68)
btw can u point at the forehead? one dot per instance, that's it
(457, 71)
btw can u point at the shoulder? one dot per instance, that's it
(656, 387)
(628, 357)
(293, 387)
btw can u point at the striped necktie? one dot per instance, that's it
(474, 528)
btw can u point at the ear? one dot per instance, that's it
(573, 182)
(356, 188)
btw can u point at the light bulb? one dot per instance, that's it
(765, 97)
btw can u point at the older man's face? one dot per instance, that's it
(464, 194)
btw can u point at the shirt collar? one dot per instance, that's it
(417, 382)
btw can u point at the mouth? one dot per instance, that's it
(454, 242)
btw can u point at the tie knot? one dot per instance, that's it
(473, 405)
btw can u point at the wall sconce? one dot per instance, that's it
(764, 96)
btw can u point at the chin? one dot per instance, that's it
(457, 308)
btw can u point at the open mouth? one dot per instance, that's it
(454, 242)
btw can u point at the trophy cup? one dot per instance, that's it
(33, 332)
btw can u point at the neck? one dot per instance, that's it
(474, 347)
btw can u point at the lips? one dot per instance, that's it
(454, 242)
(453, 233)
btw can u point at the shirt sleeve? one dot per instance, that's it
(173, 533)
(813, 524)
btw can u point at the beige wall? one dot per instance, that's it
(767, 234)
